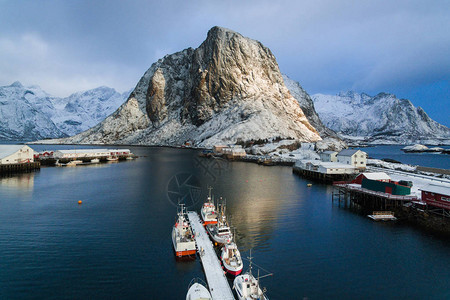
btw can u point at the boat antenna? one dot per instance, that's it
(257, 284)
(210, 188)
(224, 205)
(250, 262)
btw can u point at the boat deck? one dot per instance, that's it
(382, 216)
(215, 276)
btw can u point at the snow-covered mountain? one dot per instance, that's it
(228, 89)
(382, 119)
(330, 140)
(83, 110)
(29, 113)
(20, 119)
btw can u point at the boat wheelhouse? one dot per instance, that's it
(182, 237)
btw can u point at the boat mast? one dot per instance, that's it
(250, 263)
(209, 188)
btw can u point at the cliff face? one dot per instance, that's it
(229, 88)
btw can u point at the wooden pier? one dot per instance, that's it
(322, 177)
(215, 276)
(19, 168)
(369, 200)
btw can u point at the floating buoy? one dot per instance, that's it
(79, 201)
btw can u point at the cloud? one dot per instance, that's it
(326, 45)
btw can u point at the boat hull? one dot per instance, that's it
(219, 240)
(232, 272)
(209, 222)
(182, 248)
(198, 291)
(185, 253)
(208, 218)
(246, 288)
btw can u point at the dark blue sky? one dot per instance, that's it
(400, 47)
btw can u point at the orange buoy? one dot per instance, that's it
(79, 202)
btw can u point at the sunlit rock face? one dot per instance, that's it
(229, 88)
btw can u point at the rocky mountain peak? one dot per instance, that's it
(229, 88)
(16, 84)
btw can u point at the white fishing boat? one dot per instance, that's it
(208, 211)
(95, 161)
(197, 291)
(248, 287)
(74, 163)
(112, 158)
(220, 232)
(182, 237)
(231, 259)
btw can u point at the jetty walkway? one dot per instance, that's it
(215, 276)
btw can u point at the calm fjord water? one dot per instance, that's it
(425, 159)
(117, 244)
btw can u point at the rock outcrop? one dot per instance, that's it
(330, 139)
(228, 89)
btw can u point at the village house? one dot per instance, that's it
(356, 158)
(381, 182)
(90, 153)
(326, 167)
(16, 154)
(234, 151)
(436, 195)
(328, 156)
(219, 148)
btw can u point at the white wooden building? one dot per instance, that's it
(336, 168)
(80, 153)
(328, 156)
(353, 157)
(326, 167)
(16, 154)
(234, 151)
(90, 153)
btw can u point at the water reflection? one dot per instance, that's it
(256, 202)
(17, 183)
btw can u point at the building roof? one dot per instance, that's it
(329, 152)
(336, 165)
(7, 150)
(376, 176)
(83, 150)
(348, 152)
(437, 189)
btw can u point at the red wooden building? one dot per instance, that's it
(436, 195)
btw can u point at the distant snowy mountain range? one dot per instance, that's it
(382, 119)
(29, 113)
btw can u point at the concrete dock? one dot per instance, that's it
(215, 276)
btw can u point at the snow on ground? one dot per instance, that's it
(280, 149)
(393, 166)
